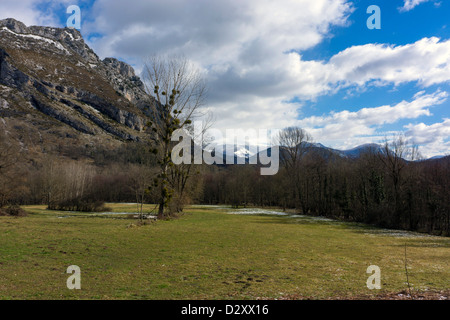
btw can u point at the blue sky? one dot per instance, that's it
(429, 19)
(398, 28)
(270, 64)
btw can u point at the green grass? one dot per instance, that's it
(208, 254)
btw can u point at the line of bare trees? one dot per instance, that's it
(63, 183)
(379, 187)
(12, 178)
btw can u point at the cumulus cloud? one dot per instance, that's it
(216, 31)
(426, 61)
(25, 11)
(245, 48)
(37, 12)
(411, 4)
(260, 94)
(346, 129)
(436, 137)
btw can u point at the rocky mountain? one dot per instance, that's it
(318, 148)
(328, 152)
(351, 153)
(55, 89)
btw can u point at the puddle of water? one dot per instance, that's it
(149, 216)
(257, 212)
(312, 219)
(206, 206)
(117, 213)
(398, 233)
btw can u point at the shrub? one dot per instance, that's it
(83, 205)
(13, 211)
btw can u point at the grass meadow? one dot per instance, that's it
(209, 253)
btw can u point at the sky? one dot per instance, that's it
(273, 64)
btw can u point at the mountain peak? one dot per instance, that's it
(53, 33)
(49, 73)
(123, 68)
(14, 25)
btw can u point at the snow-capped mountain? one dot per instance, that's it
(247, 152)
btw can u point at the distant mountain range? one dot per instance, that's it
(242, 151)
(436, 157)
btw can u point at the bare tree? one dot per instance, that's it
(9, 158)
(393, 158)
(51, 177)
(140, 184)
(295, 142)
(66, 184)
(179, 90)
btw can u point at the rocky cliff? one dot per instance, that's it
(53, 86)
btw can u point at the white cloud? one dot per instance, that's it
(436, 137)
(24, 11)
(36, 12)
(237, 38)
(347, 129)
(411, 4)
(241, 46)
(426, 61)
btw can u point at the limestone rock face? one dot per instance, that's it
(51, 77)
